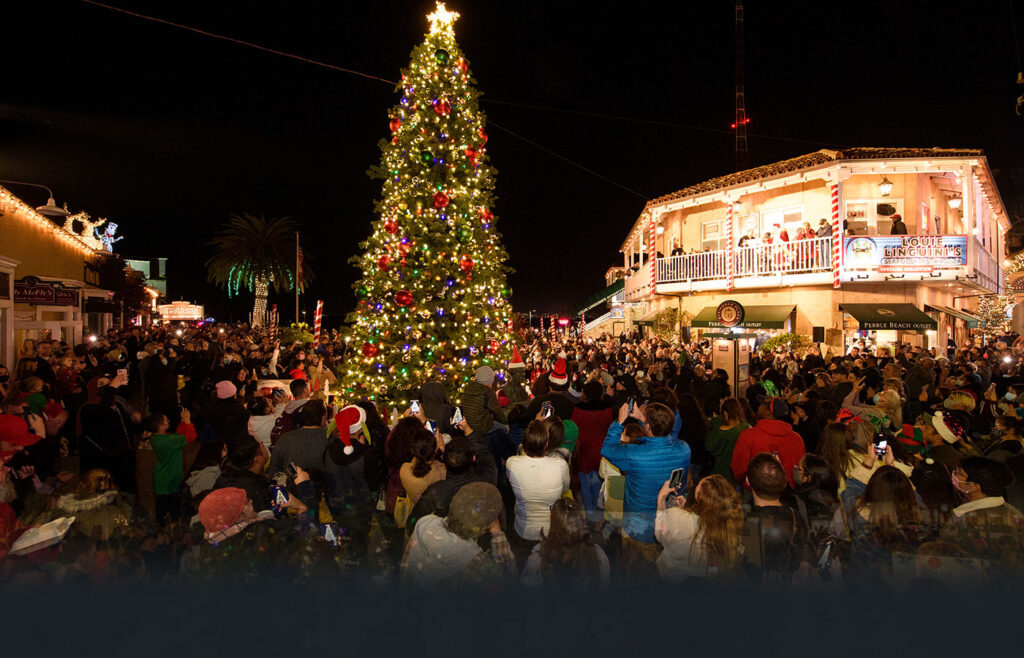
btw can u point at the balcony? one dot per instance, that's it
(638, 285)
(803, 262)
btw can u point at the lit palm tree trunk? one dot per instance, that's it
(259, 309)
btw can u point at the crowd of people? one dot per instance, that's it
(209, 453)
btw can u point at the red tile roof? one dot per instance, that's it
(812, 160)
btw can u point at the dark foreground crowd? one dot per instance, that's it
(215, 453)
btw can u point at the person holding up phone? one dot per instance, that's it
(701, 539)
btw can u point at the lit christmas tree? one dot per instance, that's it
(433, 299)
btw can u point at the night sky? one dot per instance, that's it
(167, 132)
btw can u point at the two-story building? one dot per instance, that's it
(49, 281)
(807, 245)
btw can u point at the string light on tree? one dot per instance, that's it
(433, 297)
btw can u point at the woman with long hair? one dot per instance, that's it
(701, 539)
(424, 469)
(885, 520)
(567, 554)
(722, 436)
(818, 489)
(538, 479)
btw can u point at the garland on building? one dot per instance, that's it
(433, 298)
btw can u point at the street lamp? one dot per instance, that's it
(50, 209)
(885, 187)
(955, 201)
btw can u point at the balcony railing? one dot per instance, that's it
(638, 285)
(797, 257)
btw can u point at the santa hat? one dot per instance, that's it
(950, 430)
(349, 421)
(297, 373)
(558, 375)
(517, 360)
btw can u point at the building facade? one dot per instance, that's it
(813, 246)
(48, 281)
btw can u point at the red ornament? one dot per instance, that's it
(486, 215)
(483, 135)
(443, 108)
(384, 263)
(463, 64)
(466, 263)
(395, 124)
(391, 226)
(493, 347)
(441, 200)
(471, 154)
(370, 350)
(403, 298)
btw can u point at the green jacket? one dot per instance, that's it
(720, 443)
(480, 407)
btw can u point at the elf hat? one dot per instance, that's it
(349, 421)
(558, 375)
(517, 360)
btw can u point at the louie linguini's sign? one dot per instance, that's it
(905, 253)
(31, 290)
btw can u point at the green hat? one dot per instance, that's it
(572, 432)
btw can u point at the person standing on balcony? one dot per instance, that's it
(898, 227)
(824, 228)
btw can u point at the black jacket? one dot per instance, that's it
(438, 496)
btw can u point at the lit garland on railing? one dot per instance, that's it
(14, 205)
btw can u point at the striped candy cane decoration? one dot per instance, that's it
(316, 322)
(652, 252)
(837, 236)
(273, 322)
(729, 249)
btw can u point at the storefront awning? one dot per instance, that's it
(602, 296)
(648, 318)
(754, 317)
(906, 317)
(972, 322)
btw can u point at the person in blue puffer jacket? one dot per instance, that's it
(647, 465)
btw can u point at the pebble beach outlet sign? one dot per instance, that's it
(31, 290)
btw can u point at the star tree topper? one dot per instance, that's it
(442, 19)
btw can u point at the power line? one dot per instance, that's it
(565, 159)
(237, 41)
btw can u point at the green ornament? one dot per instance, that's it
(506, 292)
(428, 355)
(363, 292)
(427, 158)
(442, 56)
(465, 234)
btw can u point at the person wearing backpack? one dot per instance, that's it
(774, 534)
(286, 422)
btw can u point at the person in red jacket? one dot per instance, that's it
(772, 434)
(593, 416)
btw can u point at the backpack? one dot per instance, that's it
(284, 423)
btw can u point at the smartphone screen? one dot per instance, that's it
(546, 410)
(431, 426)
(457, 416)
(881, 447)
(123, 374)
(678, 479)
(415, 406)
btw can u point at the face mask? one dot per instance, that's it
(875, 398)
(956, 484)
(1009, 397)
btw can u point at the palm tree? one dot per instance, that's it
(256, 254)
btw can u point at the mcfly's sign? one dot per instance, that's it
(31, 290)
(905, 253)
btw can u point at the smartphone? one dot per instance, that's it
(677, 484)
(632, 403)
(881, 447)
(331, 534)
(290, 470)
(414, 406)
(457, 416)
(546, 410)
(431, 425)
(123, 374)
(278, 498)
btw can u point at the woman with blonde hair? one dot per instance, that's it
(701, 539)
